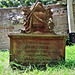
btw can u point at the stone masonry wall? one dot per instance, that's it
(11, 20)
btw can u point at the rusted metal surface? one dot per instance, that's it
(40, 45)
(38, 18)
(36, 49)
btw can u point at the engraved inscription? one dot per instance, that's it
(31, 46)
(39, 50)
(43, 46)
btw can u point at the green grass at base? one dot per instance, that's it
(63, 68)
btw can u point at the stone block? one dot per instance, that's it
(36, 49)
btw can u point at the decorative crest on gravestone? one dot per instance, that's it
(38, 19)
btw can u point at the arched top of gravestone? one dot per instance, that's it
(38, 19)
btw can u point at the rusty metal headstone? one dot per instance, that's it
(37, 43)
(39, 19)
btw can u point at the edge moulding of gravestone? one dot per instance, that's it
(37, 43)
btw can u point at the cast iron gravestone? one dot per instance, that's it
(37, 43)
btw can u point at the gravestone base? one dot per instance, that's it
(36, 49)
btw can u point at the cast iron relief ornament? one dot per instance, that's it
(38, 19)
(37, 50)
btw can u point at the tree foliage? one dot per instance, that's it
(17, 3)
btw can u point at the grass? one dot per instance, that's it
(63, 68)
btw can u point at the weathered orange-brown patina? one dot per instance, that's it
(41, 45)
(36, 49)
(38, 18)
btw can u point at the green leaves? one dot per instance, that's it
(9, 3)
(16, 3)
(4, 3)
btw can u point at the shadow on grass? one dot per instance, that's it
(70, 64)
(15, 66)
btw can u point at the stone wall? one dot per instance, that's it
(11, 20)
(60, 19)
